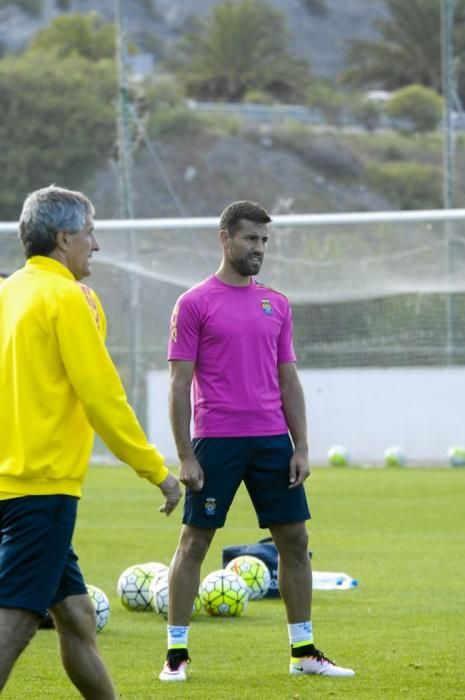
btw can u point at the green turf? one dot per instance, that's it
(399, 531)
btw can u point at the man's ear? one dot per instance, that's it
(224, 237)
(62, 240)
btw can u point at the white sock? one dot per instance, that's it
(177, 636)
(300, 633)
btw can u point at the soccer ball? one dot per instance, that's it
(338, 456)
(101, 605)
(197, 607)
(155, 569)
(160, 597)
(394, 457)
(254, 572)
(224, 593)
(456, 456)
(133, 588)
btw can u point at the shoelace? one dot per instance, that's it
(175, 660)
(319, 656)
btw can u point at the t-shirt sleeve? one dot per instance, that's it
(80, 326)
(184, 331)
(286, 352)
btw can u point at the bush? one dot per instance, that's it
(258, 97)
(168, 113)
(330, 102)
(173, 121)
(419, 106)
(368, 113)
(407, 185)
(58, 123)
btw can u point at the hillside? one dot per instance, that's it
(320, 39)
(287, 168)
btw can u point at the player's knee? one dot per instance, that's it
(292, 543)
(194, 546)
(75, 616)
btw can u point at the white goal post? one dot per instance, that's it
(378, 300)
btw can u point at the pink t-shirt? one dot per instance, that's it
(237, 337)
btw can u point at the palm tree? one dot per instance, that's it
(241, 47)
(409, 50)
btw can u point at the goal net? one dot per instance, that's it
(383, 290)
(380, 290)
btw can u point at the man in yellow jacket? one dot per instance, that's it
(58, 385)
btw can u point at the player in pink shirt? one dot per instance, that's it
(231, 340)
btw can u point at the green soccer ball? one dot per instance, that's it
(456, 456)
(338, 456)
(394, 457)
(224, 593)
(254, 572)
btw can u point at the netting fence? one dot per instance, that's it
(367, 290)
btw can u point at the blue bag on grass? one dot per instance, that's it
(263, 549)
(266, 551)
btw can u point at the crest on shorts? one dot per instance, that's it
(210, 506)
(267, 308)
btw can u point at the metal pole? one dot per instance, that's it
(124, 116)
(124, 151)
(448, 90)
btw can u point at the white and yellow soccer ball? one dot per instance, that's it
(456, 456)
(133, 588)
(394, 457)
(101, 605)
(224, 593)
(338, 456)
(255, 573)
(160, 597)
(155, 569)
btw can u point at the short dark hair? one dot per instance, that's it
(47, 211)
(231, 217)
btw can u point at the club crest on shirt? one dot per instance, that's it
(210, 506)
(267, 308)
(174, 324)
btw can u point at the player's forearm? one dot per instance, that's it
(180, 417)
(294, 411)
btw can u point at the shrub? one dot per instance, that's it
(330, 102)
(258, 97)
(368, 113)
(407, 185)
(419, 106)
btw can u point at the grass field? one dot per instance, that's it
(399, 531)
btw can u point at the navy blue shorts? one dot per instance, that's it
(262, 463)
(38, 567)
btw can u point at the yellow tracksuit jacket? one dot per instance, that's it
(58, 385)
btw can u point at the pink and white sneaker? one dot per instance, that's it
(317, 664)
(175, 668)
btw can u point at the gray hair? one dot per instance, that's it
(47, 211)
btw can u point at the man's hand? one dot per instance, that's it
(191, 474)
(172, 491)
(299, 468)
